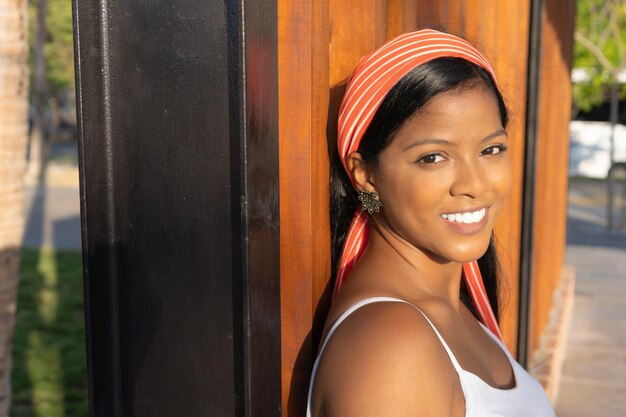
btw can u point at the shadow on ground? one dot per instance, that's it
(49, 366)
(587, 216)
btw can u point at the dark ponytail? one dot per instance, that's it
(409, 96)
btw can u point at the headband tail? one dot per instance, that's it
(353, 247)
(474, 282)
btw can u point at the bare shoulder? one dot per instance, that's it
(385, 359)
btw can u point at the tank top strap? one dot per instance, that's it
(455, 363)
(352, 309)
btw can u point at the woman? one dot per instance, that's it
(423, 141)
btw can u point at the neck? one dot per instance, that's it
(420, 274)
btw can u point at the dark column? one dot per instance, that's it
(177, 104)
(528, 198)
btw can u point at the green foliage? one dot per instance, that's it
(593, 93)
(58, 47)
(600, 30)
(49, 366)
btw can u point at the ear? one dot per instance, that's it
(361, 172)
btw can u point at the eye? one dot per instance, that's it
(432, 158)
(494, 150)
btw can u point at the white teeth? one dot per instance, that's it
(467, 217)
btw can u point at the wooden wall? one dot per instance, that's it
(320, 44)
(303, 65)
(552, 160)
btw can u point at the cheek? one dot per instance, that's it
(411, 196)
(499, 175)
(504, 178)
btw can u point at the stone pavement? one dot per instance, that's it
(593, 378)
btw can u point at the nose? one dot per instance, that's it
(469, 179)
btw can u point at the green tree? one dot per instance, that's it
(600, 49)
(59, 48)
(52, 69)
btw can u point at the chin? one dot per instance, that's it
(469, 252)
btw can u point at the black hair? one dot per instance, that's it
(407, 97)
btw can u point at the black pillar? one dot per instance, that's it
(178, 113)
(537, 9)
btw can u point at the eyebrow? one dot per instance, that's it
(435, 141)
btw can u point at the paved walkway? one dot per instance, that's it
(593, 379)
(52, 217)
(53, 210)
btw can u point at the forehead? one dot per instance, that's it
(470, 109)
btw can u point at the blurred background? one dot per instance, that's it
(41, 286)
(49, 367)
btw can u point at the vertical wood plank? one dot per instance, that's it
(395, 17)
(357, 27)
(401, 17)
(410, 15)
(552, 160)
(305, 227)
(508, 52)
(456, 17)
(436, 13)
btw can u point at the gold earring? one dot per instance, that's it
(370, 201)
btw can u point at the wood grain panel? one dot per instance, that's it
(395, 17)
(430, 12)
(401, 17)
(304, 232)
(357, 27)
(552, 160)
(507, 49)
(474, 26)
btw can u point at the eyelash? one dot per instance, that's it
(421, 160)
(501, 148)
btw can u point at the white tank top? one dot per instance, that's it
(526, 399)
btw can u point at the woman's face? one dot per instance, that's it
(444, 177)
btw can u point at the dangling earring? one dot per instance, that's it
(370, 201)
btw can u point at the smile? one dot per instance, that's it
(469, 217)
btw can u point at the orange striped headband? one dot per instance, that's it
(374, 77)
